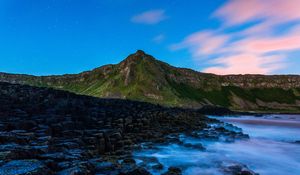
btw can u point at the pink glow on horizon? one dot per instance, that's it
(246, 64)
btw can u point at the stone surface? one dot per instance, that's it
(173, 171)
(24, 167)
(47, 131)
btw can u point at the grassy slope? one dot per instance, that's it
(151, 81)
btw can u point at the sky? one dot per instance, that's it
(221, 36)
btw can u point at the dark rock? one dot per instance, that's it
(75, 171)
(158, 166)
(138, 171)
(214, 110)
(128, 161)
(104, 166)
(59, 156)
(238, 169)
(173, 171)
(198, 146)
(24, 167)
(67, 131)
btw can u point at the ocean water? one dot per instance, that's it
(271, 149)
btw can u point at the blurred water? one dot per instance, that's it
(273, 127)
(271, 149)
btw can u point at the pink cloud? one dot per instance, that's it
(150, 17)
(288, 42)
(240, 11)
(202, 43)
(261, 29)
(273, 44)
(248, 47)
(250, 54)
(246, 64)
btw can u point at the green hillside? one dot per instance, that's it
(142, 77)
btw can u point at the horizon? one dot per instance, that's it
(69, 37)
(99, 66)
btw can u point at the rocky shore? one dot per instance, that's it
(45, 131)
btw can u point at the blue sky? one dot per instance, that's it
(70, 36)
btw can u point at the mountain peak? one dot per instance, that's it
(140, 53)
(141, 77)
(136, 57)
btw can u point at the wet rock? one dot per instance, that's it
(138, 171)
(128, 161)
(68, 145)
(76, 170)
(59, 156)
(27, 124)
(198, 146)
(66, 131)
(24, 167)
(158, 166)
(104, 166)
(214, 110)
(173, 171)
(238, 169)
(5, 155)
(127, 165)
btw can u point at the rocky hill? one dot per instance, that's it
(46, 132)
(141, 77)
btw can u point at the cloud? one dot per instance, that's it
(159, 38)
(262, 47)
(249, 55)
(202, 43)
(246, 64)
(150, 17)
(240, 11)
